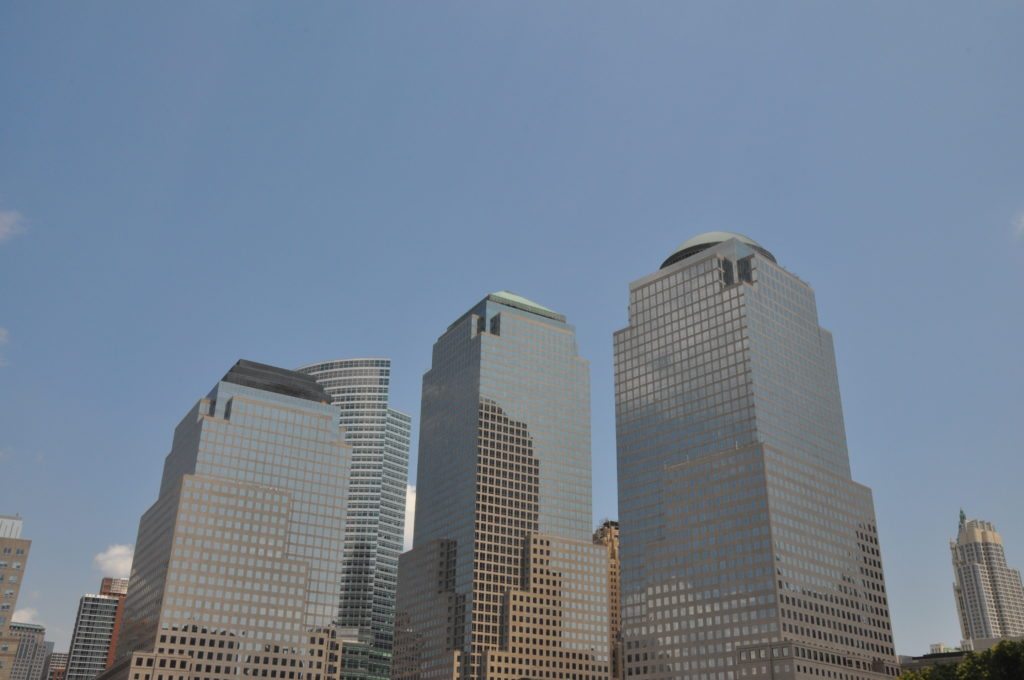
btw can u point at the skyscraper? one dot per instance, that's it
(375, 523)
(33, 650)
(14, 552)
(747, 549)
(97, 624)
(238, 562)
(989, 594)
(504, 580)
(57, 666)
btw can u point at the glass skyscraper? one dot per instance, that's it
(375, 524)
(504, 581)
(238, 563)
(747, 550)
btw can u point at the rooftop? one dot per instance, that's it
(277, 380)
(519, 302)
(708, 239)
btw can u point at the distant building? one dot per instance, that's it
(504, 580)
(115, 587)
(32, 651)
(14, 552)
(989, 594)
(608, 535)
(375, 524)
(238, 562)
(57, 666)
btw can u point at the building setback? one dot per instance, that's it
(747, 549)
(237, 564)
(14, 552)
(504, 580)
(375, 524)
(989, 595)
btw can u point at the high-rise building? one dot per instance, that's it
(375, 524)
(14, 552)
(608, 535)
(92, 636)
(504, 580)
(57, 666)
(989, 594)
(32, 651)
(747, 549)
(238, 562)
(97, 626)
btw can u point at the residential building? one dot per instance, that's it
(92, 636)
(375, 525)
(57, 666)
(608, 535)
(32, 651)
(115, 587)
(14, 551)
(504, 580)
(238, 562)
(747, 549)
(989, 595)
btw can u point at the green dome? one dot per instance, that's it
(708, 239)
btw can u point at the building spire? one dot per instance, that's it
(963, 517)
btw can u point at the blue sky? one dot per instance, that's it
(184, 184)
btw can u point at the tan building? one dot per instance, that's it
(504, 580)
(608, 535)
(237, 563)
(13, 558)
(989, 594)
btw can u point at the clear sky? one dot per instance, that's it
(185, 184)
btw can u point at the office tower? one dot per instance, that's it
(504, 580)
(57, 666)
(989, 595)
(747, 549)
(32, 651)
(608, 535)
(14, 552)
(237, 563)
(375, 524)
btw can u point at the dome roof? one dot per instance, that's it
(708, 239)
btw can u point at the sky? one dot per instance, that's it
(186, 184)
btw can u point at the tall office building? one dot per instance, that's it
(97, 625)
(14, 552)
(504, 581)
(32, 651)
(237, 564)
(747, 549)
(375, 524)
(989, 594)
(608, 535)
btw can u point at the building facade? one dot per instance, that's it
(32, 653)
(14, 551)
(504, 580)
(608, 535)
(747, 549)
(57, 666)
(97, 626)
(238, 563)
(374, 530)
(989, 595)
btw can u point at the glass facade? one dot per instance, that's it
(375, 525)
(746, 548)
(504, 464)
(238, 563)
